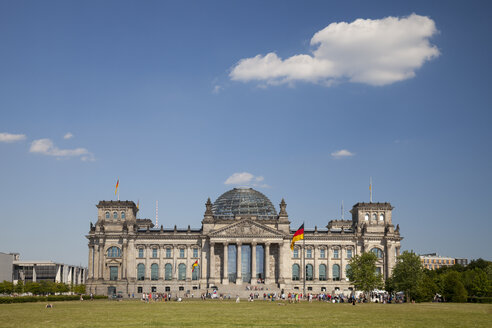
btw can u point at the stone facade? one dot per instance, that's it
(234, 253)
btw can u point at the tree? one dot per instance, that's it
(476, 282)
(6, 287)
(453, 289)
(408, 273)
(362, 272)
(19, 287)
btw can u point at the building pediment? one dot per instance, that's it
(246, 228)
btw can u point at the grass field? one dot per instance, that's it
(103, 313)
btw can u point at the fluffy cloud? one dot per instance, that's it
(245, 179)
(342, 153)
(376, 52)
(46, 147)
(9, 137)
(68, 136)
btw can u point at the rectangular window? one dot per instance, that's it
(322, 253)
(181, 253)
(154, 252)
(308, 253)
(335, 253)
(195, 252)
(154, 289)
(168, 253)
(113, 273)
(296, 253)
(349, 253)
(140, 253)
(140, 290)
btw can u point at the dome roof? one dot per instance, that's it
(243, 202)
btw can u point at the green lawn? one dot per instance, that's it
(103, 313)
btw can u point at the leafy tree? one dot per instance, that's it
(426, 289)
(362, 272)
(408, 274)
(6, 287)
(453, 289)
(476, 282)
(78, 289)
(19, 287)
(32, 287)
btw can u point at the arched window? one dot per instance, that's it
(140, 253)
(168, 253)
(154, 252)
(122, 215)
(114, 252)
(296, 253)
(374, 217)
(182, 272)
(322, 272)
(168, 271)
(195, 274)
(336, 272)
(347, 268)
(295, 272)
(377, 252)
(107, 215)
(115, 215)
(154, 271)
(381, 217)
(309, 272)
(366, 217)
(322, 253)
(140, 271)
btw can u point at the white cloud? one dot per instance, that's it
(9, 137)
(376, 52)
(217, 89)
(46, 147)
(68, 136)
(342, 153)
(245, 179)
(240, 178)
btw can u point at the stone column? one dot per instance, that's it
(203, 265)
(280, 262)
(174, 271)
(225, 278)
(160, 253)
(212, 262)
(328, 264)
(267, 263)
(342, 270)
(253, 263)
(239, 279)
(91, 264)
(101, 262)
(315, 265)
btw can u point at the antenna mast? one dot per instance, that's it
(157, 213)
(370, 189)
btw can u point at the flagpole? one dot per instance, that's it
(304, 262)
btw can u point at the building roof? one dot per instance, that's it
(243, 202)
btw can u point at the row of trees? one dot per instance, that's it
(454, 284)
(39, 288)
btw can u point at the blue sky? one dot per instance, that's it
(175, 98)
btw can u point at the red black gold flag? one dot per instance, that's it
(299, 235)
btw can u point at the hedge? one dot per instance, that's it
(51, 298)
(480, 300)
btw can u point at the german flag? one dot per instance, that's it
(194, 266)
(117, 185)
(299, 235)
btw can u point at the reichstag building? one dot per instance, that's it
(242, 245)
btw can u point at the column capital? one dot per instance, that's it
(267, 244)
(239, 243)
(254, 243)
(212, 243)
(226, 243)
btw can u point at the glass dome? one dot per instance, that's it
(243, 202)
